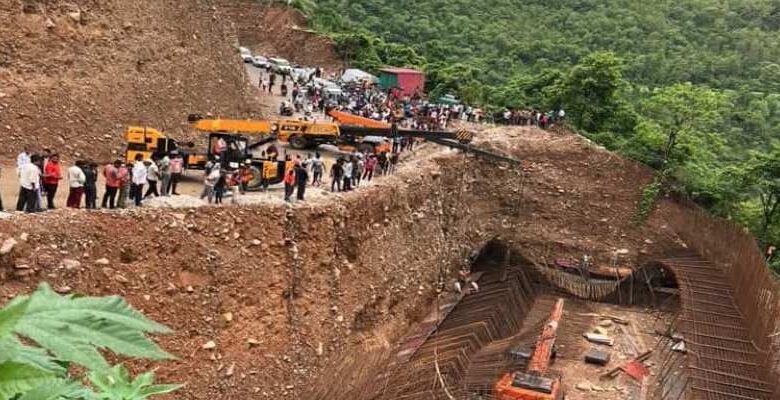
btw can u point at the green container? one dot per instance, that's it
(388, 80)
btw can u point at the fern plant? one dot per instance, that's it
(68, 329)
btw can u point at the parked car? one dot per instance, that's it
(260, 62)
(301, 73)
(246, 55)
(280, 66)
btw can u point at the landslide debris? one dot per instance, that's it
(276, 31)
(74, 74)
(282, 292)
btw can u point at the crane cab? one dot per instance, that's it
(146, 142)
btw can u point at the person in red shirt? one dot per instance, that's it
(289, 183)
(113, 182)
(52, 174)
(371, 163)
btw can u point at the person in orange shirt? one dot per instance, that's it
(52, 174)
(245, 176)
(289, 183)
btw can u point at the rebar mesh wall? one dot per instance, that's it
(732, 249)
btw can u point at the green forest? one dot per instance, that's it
(689, 87)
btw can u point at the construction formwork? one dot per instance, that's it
(740, 297)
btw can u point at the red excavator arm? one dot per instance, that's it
(344, 118)
(540, 362)
(533, 384)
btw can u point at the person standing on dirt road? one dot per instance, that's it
(152, 177)
(90, 184)
(140, 175)
(317, 169)
(125, 184)
(76, 181)
(301, 179)
(289, 183)
(245, 176)
(165, 175)
(29, 181)
(113, 183)
(177, 168)
(22, 159)
(371, 162)
(220, 186)
(336, 174)
(393, 162)
(348, 169)
(209, 183)
(271, 81)
(52, 173)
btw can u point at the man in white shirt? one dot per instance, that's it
(139, 180)
(29, 182)
(22, 159)
(165, 175)
(152, 176)
(76, 180)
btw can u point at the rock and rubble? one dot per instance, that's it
(75, 74)
(306, 282)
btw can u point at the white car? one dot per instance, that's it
(246, 55)
(280, 66)
(260, 62)
(302, 73)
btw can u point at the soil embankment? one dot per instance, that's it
(276, 31)
(74, 74)
(285, 291)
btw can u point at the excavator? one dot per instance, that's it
(536, 383)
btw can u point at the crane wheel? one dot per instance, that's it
(298, 142)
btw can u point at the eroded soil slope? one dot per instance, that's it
(276, 31)
(284, 292)
(74, 74)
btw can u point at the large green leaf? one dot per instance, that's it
(11, 349)
(74, 329)
(56, 390)
(16, 378)
(11, 314)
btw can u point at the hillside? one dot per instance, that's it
(701, 75)
(728, 44)
(274, 30)
(73, 74)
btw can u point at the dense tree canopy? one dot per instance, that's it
(688, 86)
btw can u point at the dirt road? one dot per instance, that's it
(192, 185)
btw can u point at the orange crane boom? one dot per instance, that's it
(540, 361)
(345, 118)
(534, 384)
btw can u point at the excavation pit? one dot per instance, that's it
(468, 342)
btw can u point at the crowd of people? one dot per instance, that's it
(528, 117)
(41, 175)
(309, 94)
